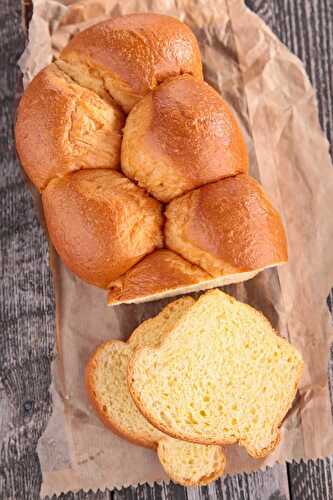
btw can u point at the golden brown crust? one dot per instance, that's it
(91, 391)
(100, 223)
(62, 127)
(180, 137)
(135, 53)
(266, 451)
(226, 227)
(159, 272)
(220, 281)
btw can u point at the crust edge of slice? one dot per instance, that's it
(204, 480)
(90, 390)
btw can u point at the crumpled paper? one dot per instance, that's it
(276, 107)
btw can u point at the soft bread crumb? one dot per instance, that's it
(221, 376)
(191, 464)
(106, 380)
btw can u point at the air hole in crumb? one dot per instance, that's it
(190, 419)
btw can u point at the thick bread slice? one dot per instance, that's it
(221, 376)
(106, 381)
(152, 331)
(190, 464)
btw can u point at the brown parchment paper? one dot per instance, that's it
(276, 106)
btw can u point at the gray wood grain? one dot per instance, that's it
(26, 294)
(269, 485)
(26, 299)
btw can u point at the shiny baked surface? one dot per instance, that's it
(142, 166)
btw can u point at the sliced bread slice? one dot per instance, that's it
(190, 464)
(106, 382)
(221, 376)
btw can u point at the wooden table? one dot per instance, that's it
(26, 294)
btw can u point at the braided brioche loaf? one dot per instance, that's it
(141, 165)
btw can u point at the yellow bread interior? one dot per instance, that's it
(221, 376)
(106, 380)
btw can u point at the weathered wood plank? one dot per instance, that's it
(99, 495)
(271, 484)
(312, 480)
(26, 298)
